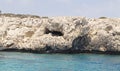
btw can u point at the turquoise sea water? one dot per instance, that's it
(16, 61)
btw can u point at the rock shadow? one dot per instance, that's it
(80, 43)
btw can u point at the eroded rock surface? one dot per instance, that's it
(59, 34)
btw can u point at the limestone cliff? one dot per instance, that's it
(59, 34)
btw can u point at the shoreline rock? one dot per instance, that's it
(59, 34)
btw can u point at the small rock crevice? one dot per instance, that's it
(54, 33)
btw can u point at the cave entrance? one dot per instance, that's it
(54, 33)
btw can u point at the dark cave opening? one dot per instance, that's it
(54, 33)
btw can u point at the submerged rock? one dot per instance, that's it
(59, 34)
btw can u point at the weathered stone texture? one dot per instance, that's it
(57, 34)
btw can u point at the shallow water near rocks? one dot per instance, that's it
(17, 61)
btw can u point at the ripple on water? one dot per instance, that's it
(16, 61)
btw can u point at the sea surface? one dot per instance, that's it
(18, 61)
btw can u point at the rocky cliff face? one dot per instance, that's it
(59, 34)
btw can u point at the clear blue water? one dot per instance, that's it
(16, 61)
